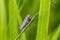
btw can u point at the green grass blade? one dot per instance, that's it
(54, 35)
(43, 21)
(14, 13)
(3, 21)
(13, 23)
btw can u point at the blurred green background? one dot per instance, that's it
(13, 12)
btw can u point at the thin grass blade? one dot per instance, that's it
(43, 21)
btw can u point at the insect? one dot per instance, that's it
(26, 21)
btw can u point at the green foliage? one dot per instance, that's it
(45, 26)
